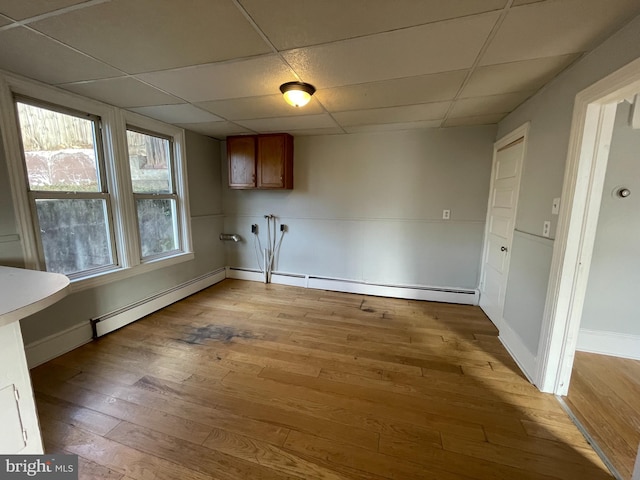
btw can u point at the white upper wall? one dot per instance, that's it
(550, 112)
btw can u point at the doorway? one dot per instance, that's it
(604, 393)
(568, 296)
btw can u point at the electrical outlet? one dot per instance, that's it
(446, 214)
(546, 228)
(555, 207)
(283, 227)
(254, 228)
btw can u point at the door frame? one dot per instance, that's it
(521, 131)
(591, 132)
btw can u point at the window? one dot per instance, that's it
(100, 193)
(67, 188)
(152, 181)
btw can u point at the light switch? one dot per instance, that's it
(555, 208)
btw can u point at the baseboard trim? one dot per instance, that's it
(518, 351)
(242, 274)
(53, 346)
(609, 343)
(50, 347)
(432, 294)
(123, 316)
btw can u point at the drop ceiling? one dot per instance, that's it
(214, 66)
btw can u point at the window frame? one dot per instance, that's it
(175, 136)
(124, 228)
(103, 193)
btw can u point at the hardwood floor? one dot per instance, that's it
(605, 396)
(252, 381)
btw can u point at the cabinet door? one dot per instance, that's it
(18, 413)
(241, 152)
(12, 439)
(275, 161)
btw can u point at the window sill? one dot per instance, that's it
(118, 274)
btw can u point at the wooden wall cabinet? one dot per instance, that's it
(260, 161)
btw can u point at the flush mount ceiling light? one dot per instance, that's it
(297, 94)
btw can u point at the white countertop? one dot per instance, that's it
(25, 292)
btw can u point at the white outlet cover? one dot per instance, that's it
(446, 214)
(546, 228)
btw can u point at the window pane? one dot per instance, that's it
(158, 225)
(150, 163)
(59, 150)
(75, 234)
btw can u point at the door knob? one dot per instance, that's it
(503, 249)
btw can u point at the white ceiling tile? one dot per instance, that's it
(433, 48)
(184, 113)
(243, 78)
(489, 119)
(267, 106)
(526, 75)
(122, 92)
(316, 131)
(36, 56)
(21, 9)
(390, 93)
(469, 107)
(550, 28)
(311, 22)
(409, 113)
(387, 127)
(147, 35)
(385, 64)
(215, 129)
(284, 124)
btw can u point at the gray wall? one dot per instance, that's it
(528, 279)
(550, 112)
(368, 207)
(614, 279)
(203, 166)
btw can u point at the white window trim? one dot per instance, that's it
(114, 121)
(180, 177)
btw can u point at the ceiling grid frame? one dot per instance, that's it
(389, 100)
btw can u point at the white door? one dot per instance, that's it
(501, 215)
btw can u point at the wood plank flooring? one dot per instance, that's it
(605, 396)
(252, 381)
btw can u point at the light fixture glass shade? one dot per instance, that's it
(297, 94)
(297, 98)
